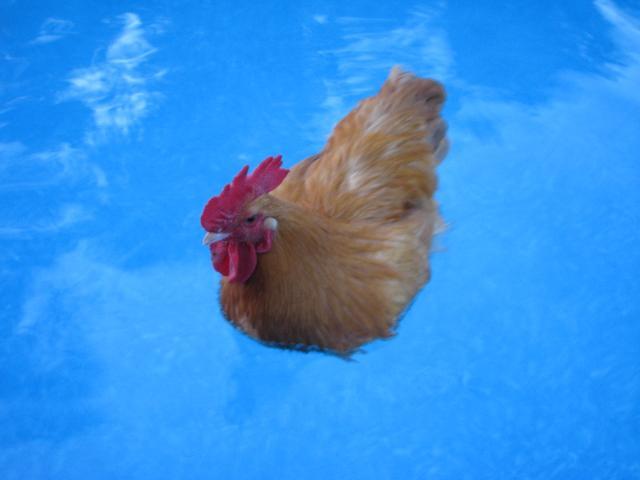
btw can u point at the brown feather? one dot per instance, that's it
(355, 224)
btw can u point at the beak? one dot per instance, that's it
(211, 237)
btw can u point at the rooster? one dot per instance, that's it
(329, 254)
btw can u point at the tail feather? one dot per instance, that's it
(425, 97)
(380, 159)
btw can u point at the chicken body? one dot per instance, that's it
(354, 227)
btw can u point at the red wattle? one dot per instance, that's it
(242, 261)
(237, 260)
(219, 257)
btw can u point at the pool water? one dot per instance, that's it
(118, 120)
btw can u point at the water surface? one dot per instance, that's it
(520, 359)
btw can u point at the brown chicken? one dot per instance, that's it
(328, 255)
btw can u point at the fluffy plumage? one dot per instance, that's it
(354, 227)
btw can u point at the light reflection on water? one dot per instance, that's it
(519, 359)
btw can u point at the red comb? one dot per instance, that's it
(222, 210)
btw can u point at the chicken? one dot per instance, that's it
(328, 255)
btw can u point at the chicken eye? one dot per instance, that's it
(250, 219)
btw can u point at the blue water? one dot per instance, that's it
(519, 360)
